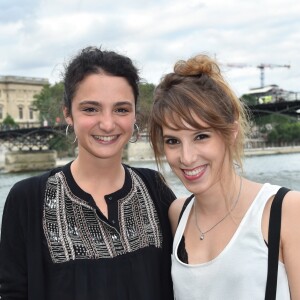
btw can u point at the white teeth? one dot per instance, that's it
(105, 138)
(193, 172)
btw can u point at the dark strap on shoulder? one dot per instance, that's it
(273, 243)
(185, 204)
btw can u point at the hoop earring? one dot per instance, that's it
(67, 129)
(136, 134)
(67, 132)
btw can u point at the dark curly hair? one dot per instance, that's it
(93, 60)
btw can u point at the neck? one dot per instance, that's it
(220, 196)
(97, 170)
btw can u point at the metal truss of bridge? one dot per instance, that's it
(289, 108)
(31, 139)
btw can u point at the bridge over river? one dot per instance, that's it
(27, 149)
(289, 108)
(31, 139)
(32, 148)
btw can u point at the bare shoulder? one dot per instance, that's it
(174, 212)
(290, 239)
(291, 201)
(291, 216)
(291, 204)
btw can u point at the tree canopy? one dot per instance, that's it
(144, 104)
(49, 104)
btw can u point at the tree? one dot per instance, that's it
(144, 104)
(249, 99)
(285, 133)
(9, 122)
(49, 104)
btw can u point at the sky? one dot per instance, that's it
(38, 37)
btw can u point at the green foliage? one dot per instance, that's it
(63, 145)
(279, 128)
(49, 103)
(285, 132)
(272, 119)
(144, 104)
(249, 99)
(9, 121)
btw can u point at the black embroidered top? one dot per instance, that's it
(56, 244)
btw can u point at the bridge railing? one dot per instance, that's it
(6, 127)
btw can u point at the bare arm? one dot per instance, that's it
(290, 240)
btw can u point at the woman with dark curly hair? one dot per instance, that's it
(95, 228)
(220, 248)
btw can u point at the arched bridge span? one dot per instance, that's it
(31, 139)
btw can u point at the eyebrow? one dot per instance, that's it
(123, 103)
(96, 103)
(169, 137)
(196, 130)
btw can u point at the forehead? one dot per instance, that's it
(104, 87)
(186, 122)
(104, 80)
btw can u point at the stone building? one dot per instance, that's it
(16, 97)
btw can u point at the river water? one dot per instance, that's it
(281, 169)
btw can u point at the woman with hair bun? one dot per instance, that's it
(220, 248)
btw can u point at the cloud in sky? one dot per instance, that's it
(38, 36)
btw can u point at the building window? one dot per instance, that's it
(1, 112)
(30, 113)
(20, 112)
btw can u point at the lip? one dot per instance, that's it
(106, 139)
(195, 173)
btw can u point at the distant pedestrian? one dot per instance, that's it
(95, 229)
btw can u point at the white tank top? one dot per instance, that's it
(239, 272)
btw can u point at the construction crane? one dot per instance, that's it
(260, 66)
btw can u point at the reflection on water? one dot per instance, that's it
(281, 169)
(6, 182)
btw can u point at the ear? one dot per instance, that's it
(68, 117)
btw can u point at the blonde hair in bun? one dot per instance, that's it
(200, 64)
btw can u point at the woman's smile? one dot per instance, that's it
(106, 139)
(195, 173)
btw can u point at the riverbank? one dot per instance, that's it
(137, 158)
(248, 153)
(272, 151)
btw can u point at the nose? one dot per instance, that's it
(107, 122)
(188, 154)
